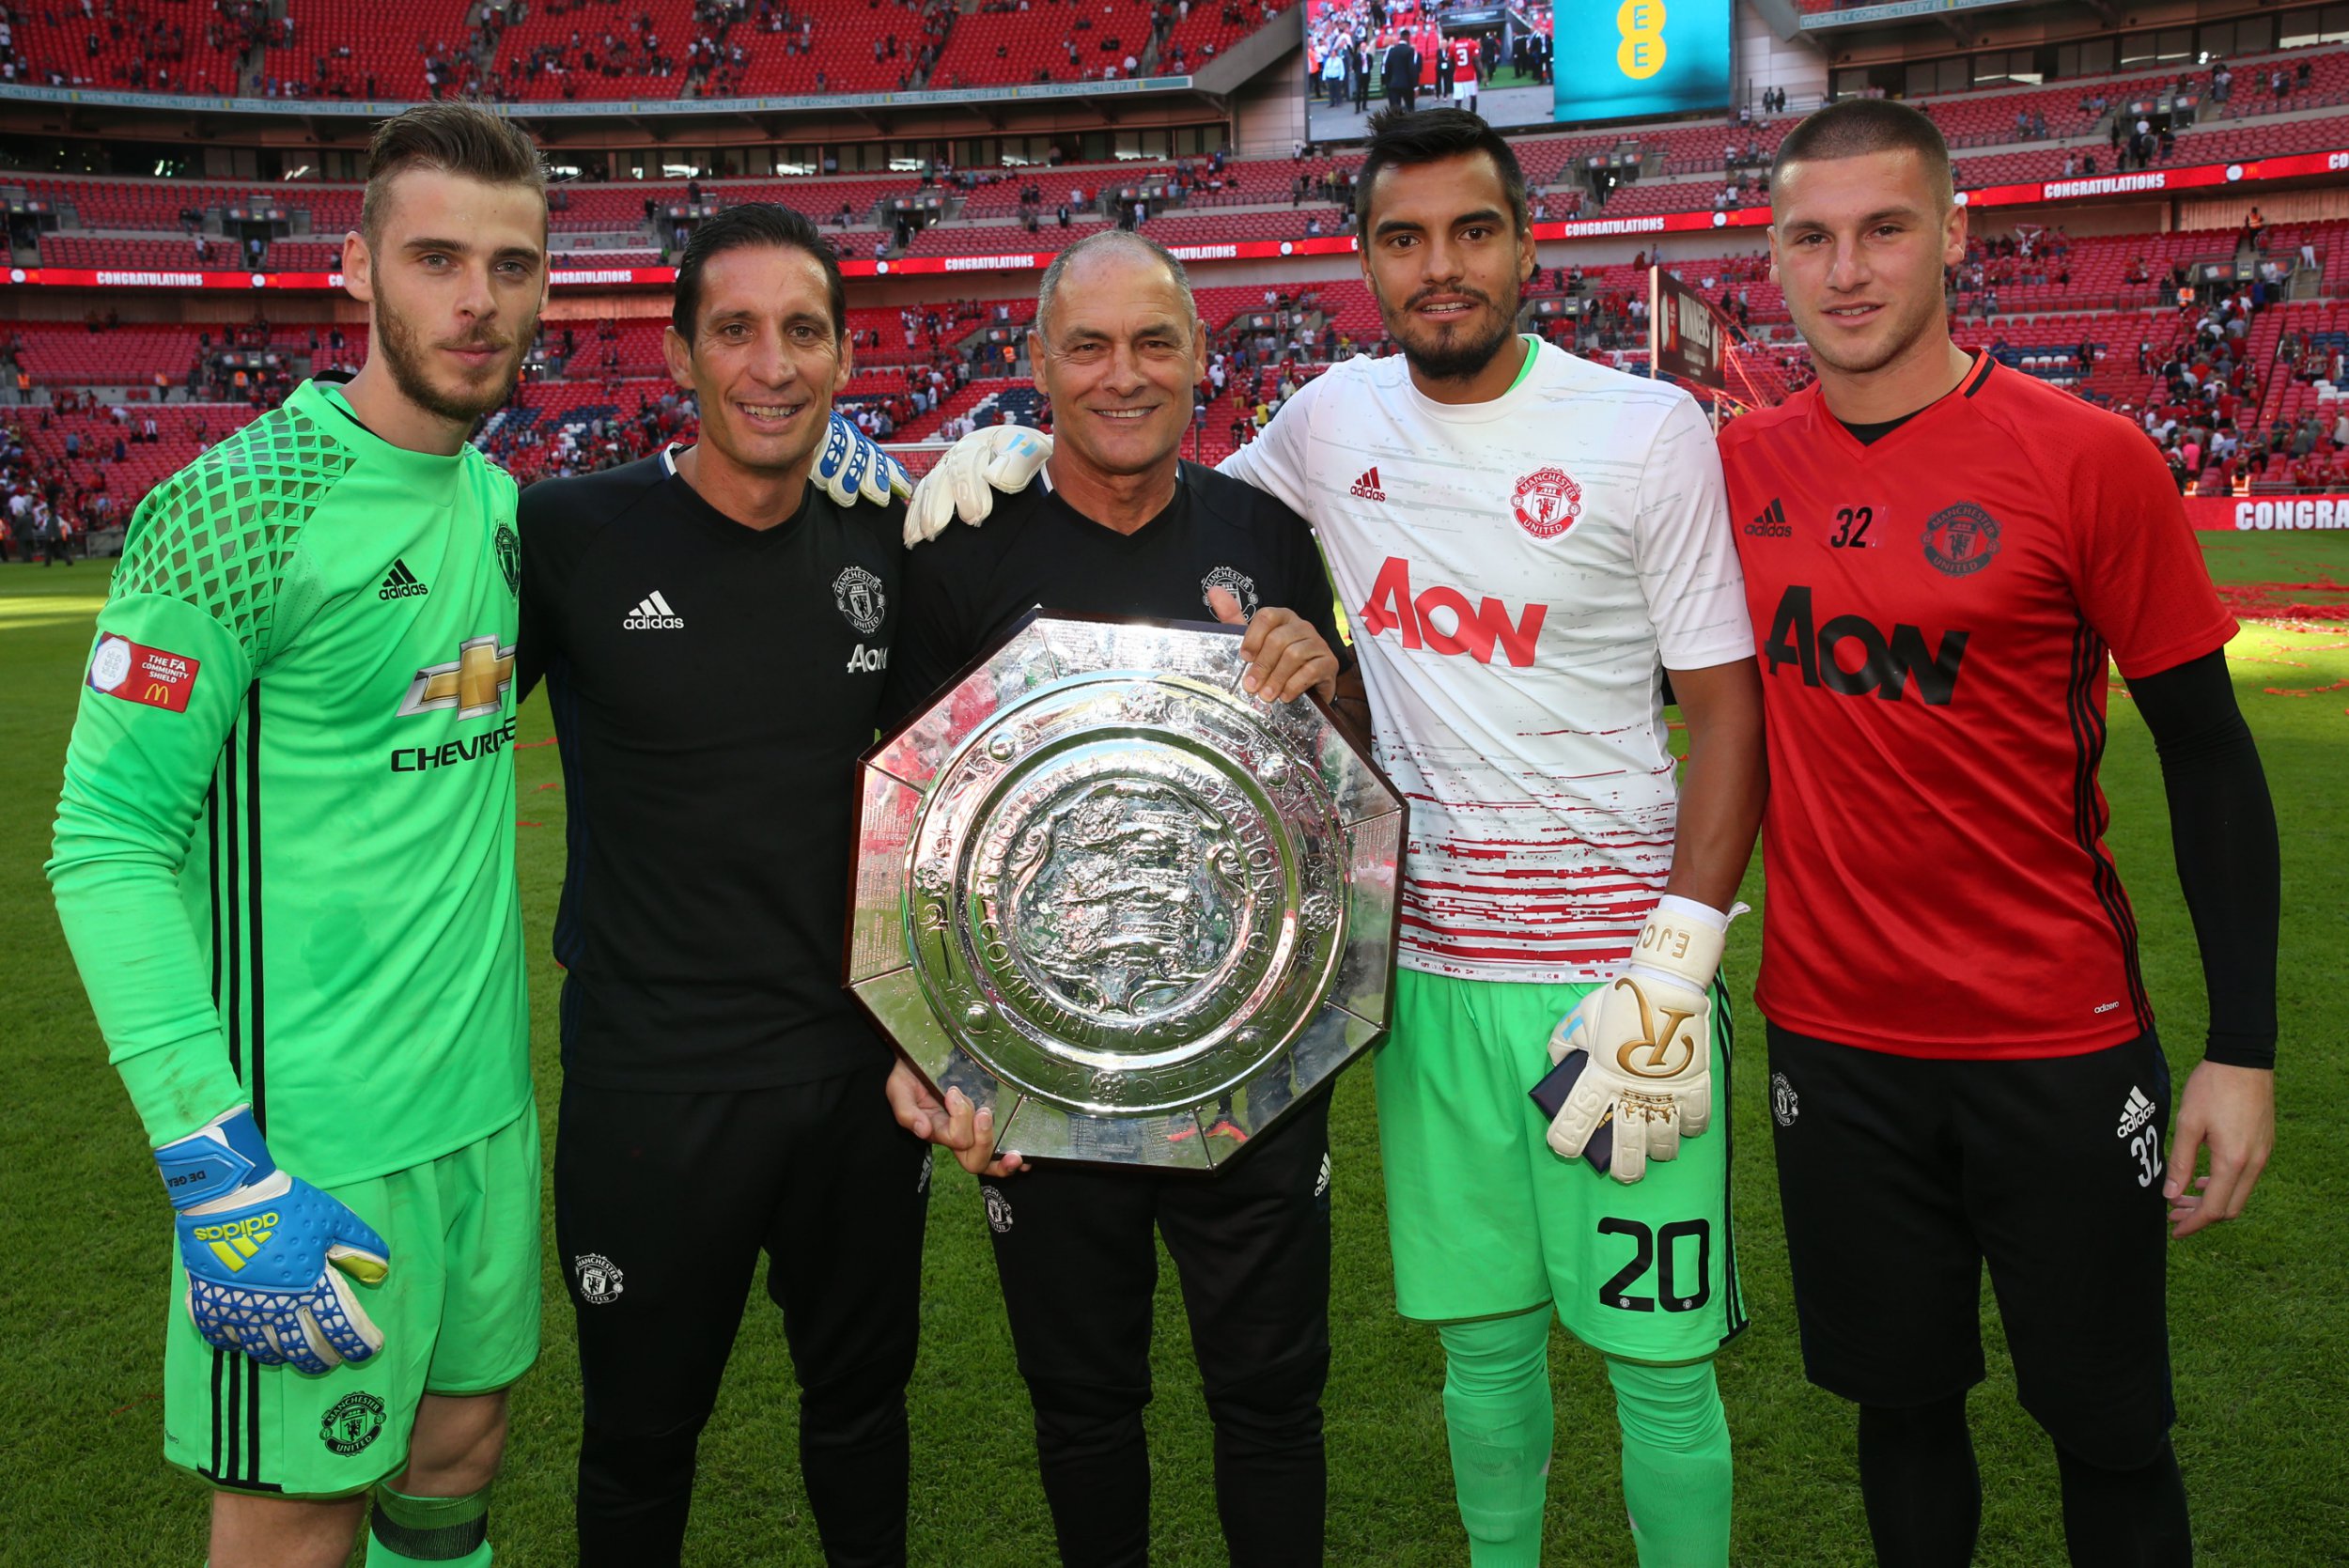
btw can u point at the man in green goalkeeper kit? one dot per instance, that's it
(285, 861)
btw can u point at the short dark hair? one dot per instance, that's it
(1424, 135)
(454, 137)
(758, 223)
(1858, 126)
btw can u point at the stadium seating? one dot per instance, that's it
(137, 51)
(370, 48)
(2045, 310)
(70, 356)
(144, 464)
(998, 238)
(150, 203)
(1210, 29)
(1200, 228)
(126, 215)
(1036, 42)
(620, 73)
(176, 254)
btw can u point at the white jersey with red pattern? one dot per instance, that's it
(1518, 573)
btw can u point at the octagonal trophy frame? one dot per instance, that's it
(1102, 890)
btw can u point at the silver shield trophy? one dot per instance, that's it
(1103, 890)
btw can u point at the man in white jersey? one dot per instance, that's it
(1528, 544)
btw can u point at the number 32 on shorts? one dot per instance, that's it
(1678, 1254)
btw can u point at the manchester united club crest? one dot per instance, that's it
(355, 1422)
(857, 593)
(1234, 581)
(1546, 502)
(599, 1278)
(1961, 539)
(510, 549)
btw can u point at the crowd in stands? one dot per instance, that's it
(2238, 385)
(522, 50)
(2198, 396)
(588, 48)
(32, 524)
(126, 44)
(1006, 211)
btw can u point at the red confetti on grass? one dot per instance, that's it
(2267, 601)
(526, 745)
(542, 789)
(2307, 692)
(525, 822)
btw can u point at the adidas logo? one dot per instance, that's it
(1367, 486)
(654, 615)
(1772, 524)
(399, 582)
(2136, 1112)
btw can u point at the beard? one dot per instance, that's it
(405, 356)
(1450, 353)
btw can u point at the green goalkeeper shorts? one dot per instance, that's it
(459, 1312)
(1486, 1220)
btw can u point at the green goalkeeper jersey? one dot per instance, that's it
(285, 853)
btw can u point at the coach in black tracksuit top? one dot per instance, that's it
(714, 672)
(1073, 1244)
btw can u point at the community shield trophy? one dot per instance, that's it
(1101, 889)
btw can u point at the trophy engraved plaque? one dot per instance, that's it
(1105, 891)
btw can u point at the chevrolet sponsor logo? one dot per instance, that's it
(474, 683)
(448, 753)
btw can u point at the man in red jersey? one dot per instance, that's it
(1940, 555)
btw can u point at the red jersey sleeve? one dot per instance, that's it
(2136, 568)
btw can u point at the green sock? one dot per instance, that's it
(1675, 1463)
(451, 1531)
(1496, 1407)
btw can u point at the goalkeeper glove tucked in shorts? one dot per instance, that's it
(269, 1259)
(1648, 1034)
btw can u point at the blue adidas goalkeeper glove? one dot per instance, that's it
(269, 1259)
(851, 466)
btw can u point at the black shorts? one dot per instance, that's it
(1899, 1177)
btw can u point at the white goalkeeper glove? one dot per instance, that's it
(994, 457)
(1649, 1036)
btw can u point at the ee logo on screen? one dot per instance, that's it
(1641, 55)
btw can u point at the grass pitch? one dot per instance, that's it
(2258, 1309)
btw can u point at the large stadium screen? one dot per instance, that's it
(1643, 58)
(1362, 55)
(1517, 65)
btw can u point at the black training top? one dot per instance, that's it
(712, 687)
(967, 587)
